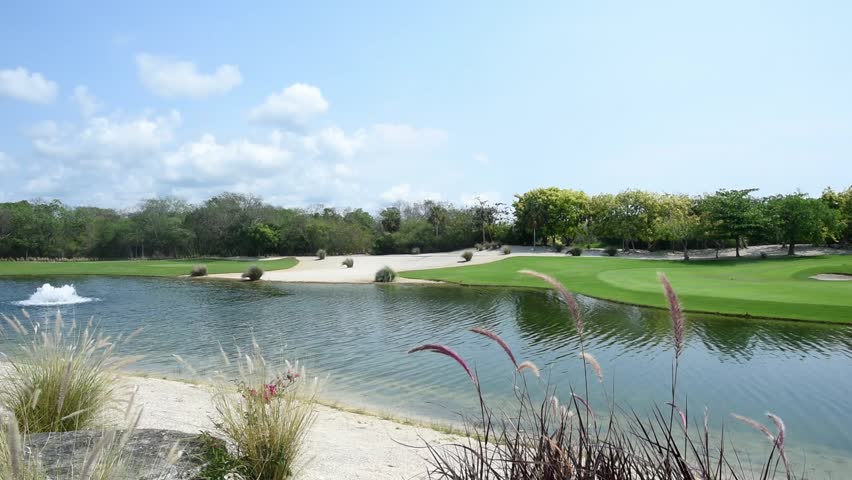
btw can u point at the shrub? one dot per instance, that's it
(60, 382)
(198, 271)
(253, 273)
(763, 255)
(611, 251)
(467, 255)
(321, 254)
(507, 249)
(558, 247)
(348, 262)
(415, 250)
(385, 275)
(13, 463)
(267, 422)
(478, 247)
(576, 251)
(544, 438)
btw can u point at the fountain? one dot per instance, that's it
(48, 295)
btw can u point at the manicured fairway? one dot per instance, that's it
(150, 268)
(770, 288)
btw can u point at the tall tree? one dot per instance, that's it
(732, 214)
(799, 218)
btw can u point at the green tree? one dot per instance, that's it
(732, 214)
(262, 237)
(557, 213)
(799, 218)
(391, 219)
(678, 221)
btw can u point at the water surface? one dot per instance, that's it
(359, 335)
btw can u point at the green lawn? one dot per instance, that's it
(770, 288)
(148, 268)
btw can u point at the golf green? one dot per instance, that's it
(148, 268)
(768, 288)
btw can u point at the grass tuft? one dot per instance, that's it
(385, 275)
(198, 271)
(253, 273)
(348, 262)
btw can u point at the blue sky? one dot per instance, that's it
(365, 103)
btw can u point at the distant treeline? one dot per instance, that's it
(233, 224)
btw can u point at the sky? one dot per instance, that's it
(363, 104)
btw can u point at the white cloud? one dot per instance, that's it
(108, 141)
(7, 164)
(207, 159)
(343, 170)
(394, 136)
(169, 77)
(295, 105)
(30, 87)
(481, 158)
(88, 103)
(404, 192)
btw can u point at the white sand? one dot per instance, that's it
(833, 277)
(330, 270)
(341, 445)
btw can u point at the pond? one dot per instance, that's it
(358, 335)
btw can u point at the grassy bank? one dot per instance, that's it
(147, 268)
(770, 288)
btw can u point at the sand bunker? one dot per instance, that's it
(833, 277)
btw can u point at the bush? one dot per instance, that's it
(253, 273)
(467, 255)
(198, 271)
(415, 250)
(321, 254)
(763, 255)
(478, 246)
(507, 250)
(611, 251)
(558, 248)
(576, 251)
(348, 262)
(59, 382)
(385, 275)
(267, 423)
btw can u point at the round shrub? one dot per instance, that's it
(253, 273)
(348, 262)
(467, 255)
(558, 248)
(415, 250)
(576, 251)
(385, 275)
(198, 271)
(321, 254)
(507, 250)
(611, 251)
(478, 247)
(763, 255)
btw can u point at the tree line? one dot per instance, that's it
(232, 224)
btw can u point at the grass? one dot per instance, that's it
(771, 288)
(145, 268)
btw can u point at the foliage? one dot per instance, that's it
(14, 464)
(479, 247)
(576, 251)
(253, 273)
(63, 380)
(732, 214)
(385, 275)
(149, 268)
(321, 254)
(267, 420)
(558, 247)
(415, 250)
(348, 262)
(391, 219)
(556, 213)
(507, 249)
(198, 271)
(567, 440)
(611, 251)
(798, 219)
(678, 221)
(467, 255)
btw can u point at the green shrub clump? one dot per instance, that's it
(321, 254)
(558, 248)
(507, 250)
(267, 422)
(60, 381)
(467, 255)
(478, 246)
(198, 271)
(385, 275)
(415, 250)
(253, 273)
(348, 262)
(763, 255)
(611, 251)
(576, 251)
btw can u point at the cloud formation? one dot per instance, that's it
(170, 77)
(20, 84)
(295, 105)
(88, 103)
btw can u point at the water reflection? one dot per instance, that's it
(358, 334)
